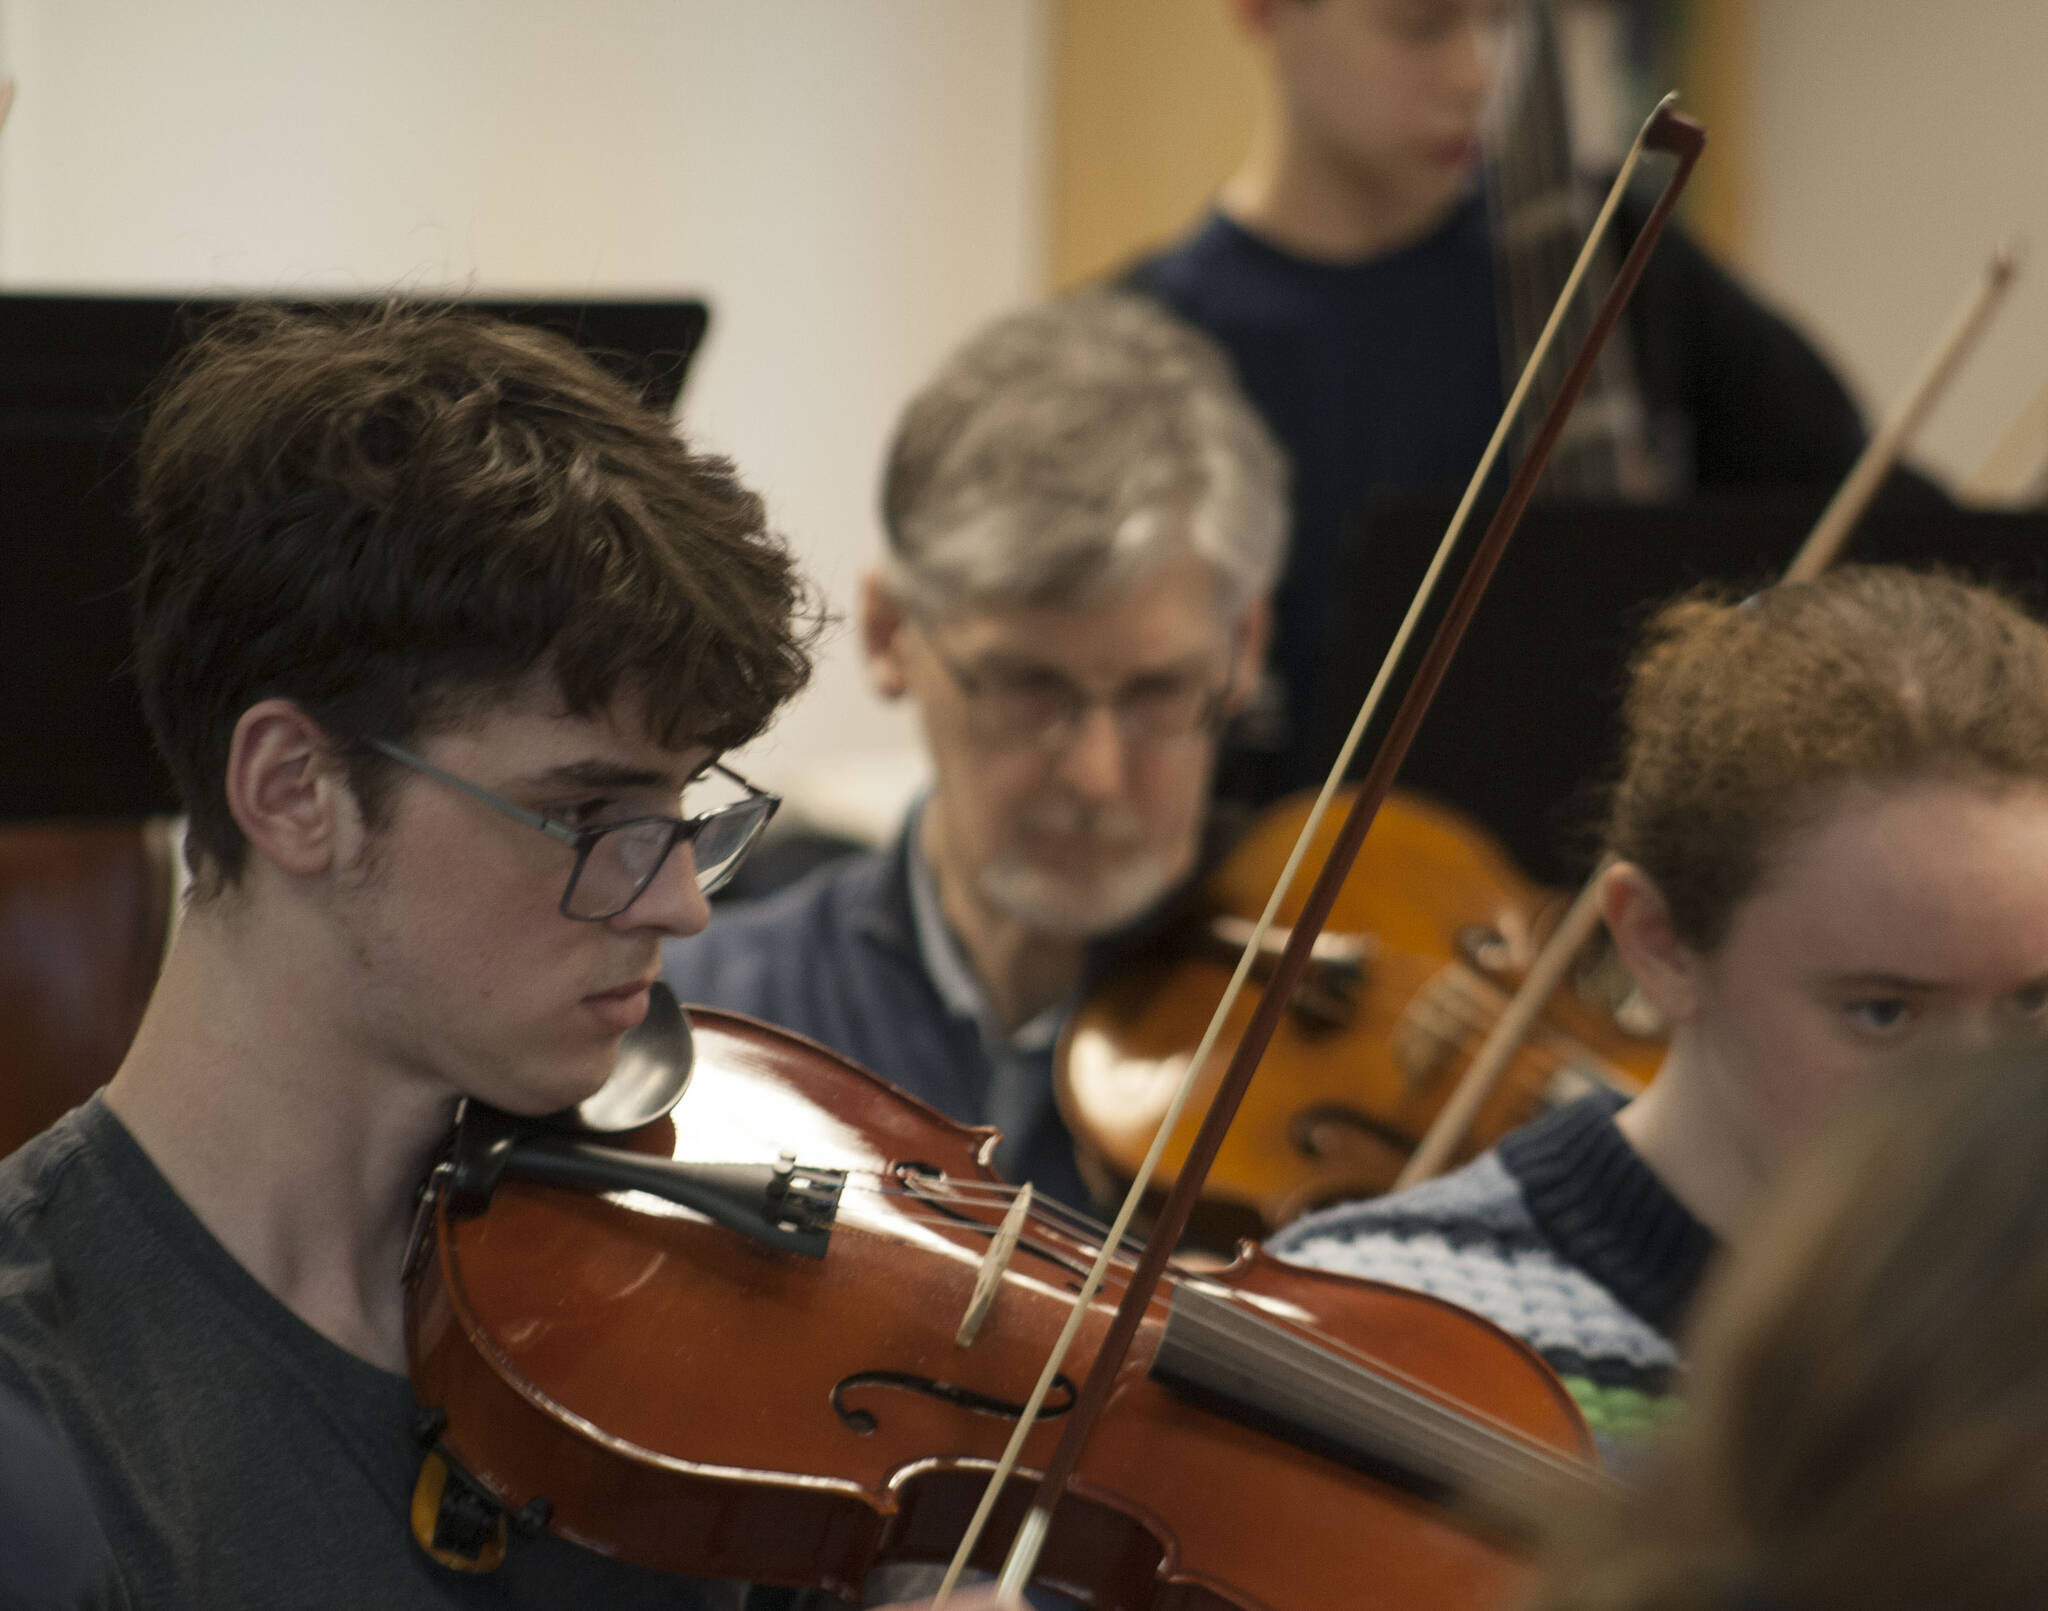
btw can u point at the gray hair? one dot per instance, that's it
(1066, 450)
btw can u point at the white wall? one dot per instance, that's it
(1897, 142)
(853, 186)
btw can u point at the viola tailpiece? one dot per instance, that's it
(783, 1205)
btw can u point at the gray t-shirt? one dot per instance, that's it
(238, 1459)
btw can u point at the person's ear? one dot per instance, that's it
(1248, 655)
(287, 789)
(882, 625)
(1666, 970)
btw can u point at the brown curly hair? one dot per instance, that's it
(1740, 718)
(396, 518)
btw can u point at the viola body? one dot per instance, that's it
(687, 1398)
(1440, 924)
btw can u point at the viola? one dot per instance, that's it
(811, 1373)
(1427, 942)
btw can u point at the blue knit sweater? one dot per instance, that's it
(1561, 1235)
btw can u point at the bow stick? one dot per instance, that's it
(1665, 130)
(1815, 555)
(1861, 484)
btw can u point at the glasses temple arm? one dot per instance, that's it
(497, 802)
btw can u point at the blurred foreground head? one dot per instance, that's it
(1869, 1428)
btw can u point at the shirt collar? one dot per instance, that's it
(1607, 1211)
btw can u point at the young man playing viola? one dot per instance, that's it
(414, 587)
(1083, 519)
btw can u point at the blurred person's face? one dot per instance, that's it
(1072, 746)
(1906, 917)
(1388, 94)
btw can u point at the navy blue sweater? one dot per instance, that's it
(1385, 376)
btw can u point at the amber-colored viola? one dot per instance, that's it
(811, 1372)
(1425, 945)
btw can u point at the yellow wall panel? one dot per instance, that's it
(1153, 105)
(1154, 102)
(1714, 78)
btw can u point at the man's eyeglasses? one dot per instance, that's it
(1042, 708)
(616, 862)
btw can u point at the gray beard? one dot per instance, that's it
(1029, 895)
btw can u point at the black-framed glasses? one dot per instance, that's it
(616, 862)
(1042, 708)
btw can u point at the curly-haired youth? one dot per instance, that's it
(1741, 718)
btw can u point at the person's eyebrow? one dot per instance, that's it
(1011, 663)
(1897, 983)
(598, 774)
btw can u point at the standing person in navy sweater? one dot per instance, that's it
(1355, 270)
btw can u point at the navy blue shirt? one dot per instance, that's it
(1384, 374)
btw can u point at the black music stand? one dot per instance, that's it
(73, 375)
(1524, 733)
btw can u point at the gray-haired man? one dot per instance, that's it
(1084, 519)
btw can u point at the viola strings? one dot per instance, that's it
(1466, 1434)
